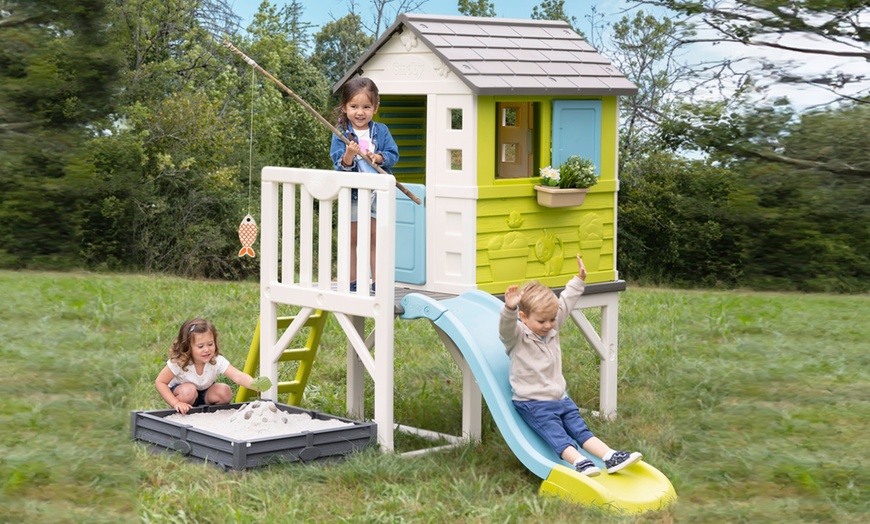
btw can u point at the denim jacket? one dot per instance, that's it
(384, 145)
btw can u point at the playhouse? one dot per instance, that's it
(477, 107)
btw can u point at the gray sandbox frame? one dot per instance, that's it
(152, 428)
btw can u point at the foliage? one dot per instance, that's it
(555, 10)
(482, 8)
(574, 173)
(717, 389)
(675, 224)
(338, 45)
(57, 73)
(383, 12)
(645, 49)
(790, 31)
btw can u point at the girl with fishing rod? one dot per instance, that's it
(359, 103)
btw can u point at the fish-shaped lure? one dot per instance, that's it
(247, 235)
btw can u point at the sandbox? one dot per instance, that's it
(252, 434)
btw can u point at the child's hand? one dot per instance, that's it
(581, 269)
(512, 297)
(261, 384)
(352, 151)
(182, 407)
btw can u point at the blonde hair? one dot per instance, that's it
(180, 351)
(537, 297)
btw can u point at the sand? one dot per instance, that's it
(258, 419)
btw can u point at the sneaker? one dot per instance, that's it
(373, 287)
(353, 286)
(588, 468)
(620, 460)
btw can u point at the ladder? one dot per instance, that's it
(304, 356)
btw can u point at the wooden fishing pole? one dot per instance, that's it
(335, 131)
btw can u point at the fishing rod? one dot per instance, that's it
(366, 156)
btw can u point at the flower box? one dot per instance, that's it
(556, 197)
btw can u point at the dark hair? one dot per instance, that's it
(353, 88)
(180, 351)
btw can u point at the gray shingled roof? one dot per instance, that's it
(504, 56)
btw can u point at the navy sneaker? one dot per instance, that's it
(620, 460)
(588, 468)
(353, 286)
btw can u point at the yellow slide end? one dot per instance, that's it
(635, 489)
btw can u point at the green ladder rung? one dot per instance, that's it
(305, 357)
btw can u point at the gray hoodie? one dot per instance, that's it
(536, 365)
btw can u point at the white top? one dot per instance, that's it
(365, 141)
(209, 373)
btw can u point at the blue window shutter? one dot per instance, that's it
(577, 131)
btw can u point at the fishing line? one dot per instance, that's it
(251, 139)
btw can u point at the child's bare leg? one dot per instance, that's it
(595, 446)
(218, 393)
(185, 393)
(571, 454)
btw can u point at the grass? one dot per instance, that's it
(755, 405)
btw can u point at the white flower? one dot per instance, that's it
(550, 176)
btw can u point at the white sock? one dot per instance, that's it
(607, 455)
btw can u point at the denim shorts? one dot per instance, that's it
(200, 395)
(354, 206)
(558, 422)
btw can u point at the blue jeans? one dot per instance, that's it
(558, 422)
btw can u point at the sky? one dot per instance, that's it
(320, 12)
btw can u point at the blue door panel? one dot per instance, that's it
(411, 236)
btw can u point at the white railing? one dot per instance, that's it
(293, 272)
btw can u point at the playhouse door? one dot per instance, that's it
(577, 130)
(514, 139)
(411, 236)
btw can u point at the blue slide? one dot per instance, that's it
(471, 321)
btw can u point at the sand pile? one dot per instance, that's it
(258, 419)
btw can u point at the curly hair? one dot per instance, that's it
(180, 351)
(537, 297)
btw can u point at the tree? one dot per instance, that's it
(169, 196)
(338, 45)
(793, 31)
(483, 8)
(644, 49)
(384, 12)
(57, 74)
(555, 10)
(217, 17)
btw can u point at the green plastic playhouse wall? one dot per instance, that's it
(517, 239)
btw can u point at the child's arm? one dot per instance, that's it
(507, 322)
(387, 149)
(247, 381)
(581, 269)
(512, 297)
(162, 385)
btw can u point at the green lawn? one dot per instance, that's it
(755, 405)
